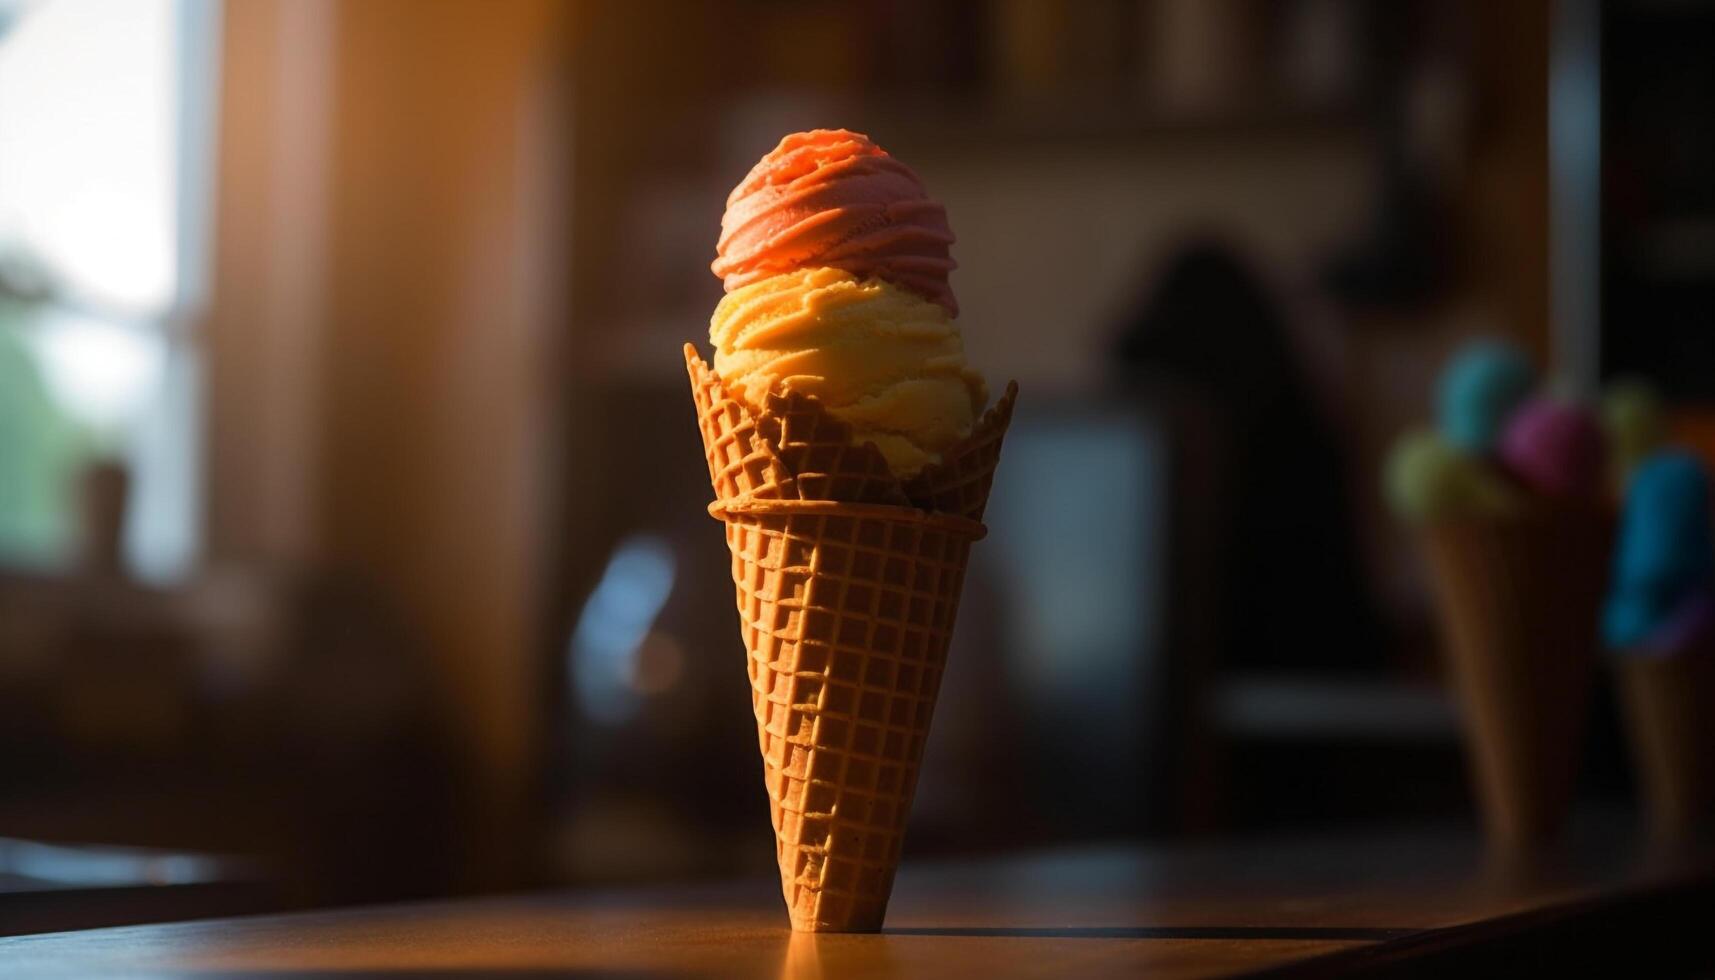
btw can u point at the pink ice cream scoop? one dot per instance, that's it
(1554, 448)
(833, 198)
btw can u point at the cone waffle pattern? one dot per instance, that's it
(741, 464)
(847, 609)
(847, 621)
(817, 449)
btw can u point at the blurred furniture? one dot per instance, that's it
(1401, 904)
(272, 716)
(1283, 695)
(57, 887)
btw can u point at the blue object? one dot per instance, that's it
(1666, 545)
(1666, 550)
(1628, 620)
(1481, 385)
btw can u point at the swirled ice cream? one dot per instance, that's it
(835, 262)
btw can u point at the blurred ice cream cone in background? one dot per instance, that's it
(1668, 704)
(1660, 622)
(1427, 480)
(1509, 496)
(1520, 599)
(1479, 388)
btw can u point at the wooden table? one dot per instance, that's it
(1392, 904)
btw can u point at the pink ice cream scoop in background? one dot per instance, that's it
(1555, 448)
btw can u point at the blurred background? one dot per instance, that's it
(352, 520)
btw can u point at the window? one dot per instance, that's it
(104, 149)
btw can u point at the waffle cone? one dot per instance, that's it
(1520, 600)
(847, 596)
(959, 483)
(741, 462)
(1667, 701)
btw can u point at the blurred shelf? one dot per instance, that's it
(1099, 118)
(1333, 708)
(1047, 126)
(48, 887)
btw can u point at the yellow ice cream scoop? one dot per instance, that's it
(1427, 479)
(883, 359)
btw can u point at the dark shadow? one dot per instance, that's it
(1164, 932)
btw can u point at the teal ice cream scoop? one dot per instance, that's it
(1666, 552)
(1479, 388)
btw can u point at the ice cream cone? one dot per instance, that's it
(1669, 704)
(741, 462)
(1520, 600)
(846, 607)
(817, 449)
(960, 482)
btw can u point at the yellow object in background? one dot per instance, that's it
(886, 361)
(1636, 425)
(1427, 480)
